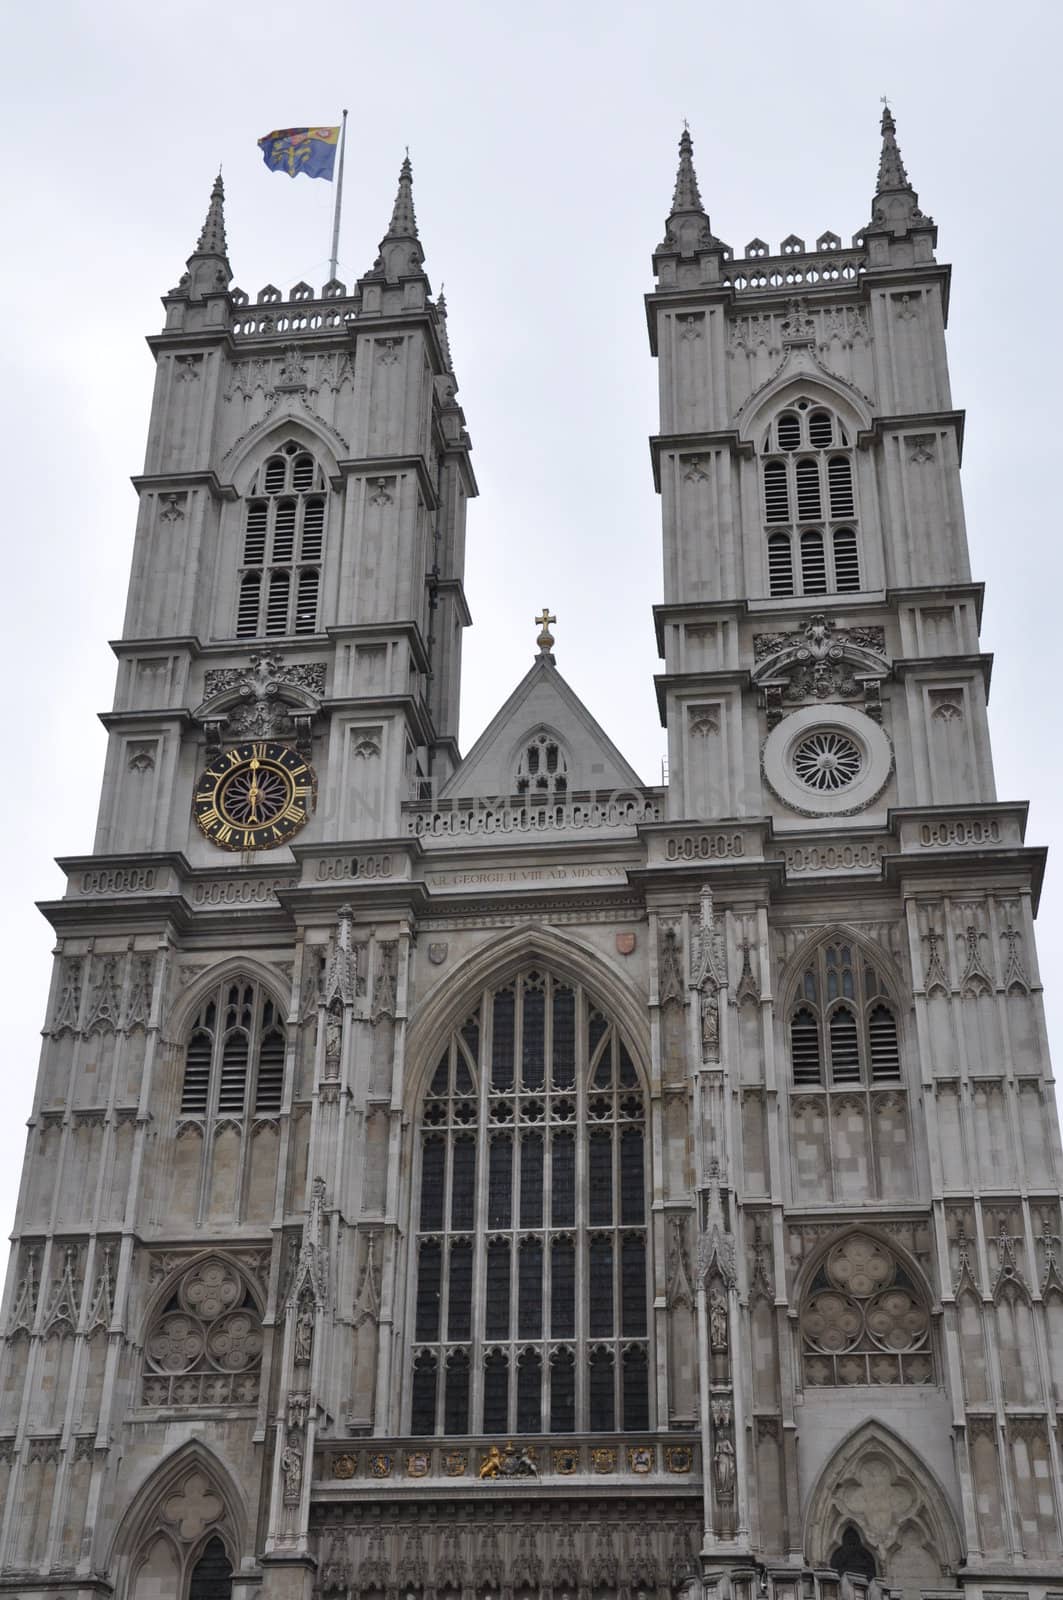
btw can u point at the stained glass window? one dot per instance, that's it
(532, 1288)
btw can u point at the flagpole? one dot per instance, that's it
(334, 258)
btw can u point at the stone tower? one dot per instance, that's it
(493, 1178)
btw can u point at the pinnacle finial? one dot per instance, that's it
(403, 223)
(444, 335)
(545, 641)
(212, 234)
(891, 173)
(687, 196)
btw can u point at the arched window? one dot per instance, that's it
(864, 1320)
(212, 1575)
(186, 1552)
(807, 471)
(204, 1345)
(234, 1058)
(284, 534)
(843, 1027)
(531, 1286)
(852, 1555)
(542, 769)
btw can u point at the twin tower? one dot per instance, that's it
(493, 1177)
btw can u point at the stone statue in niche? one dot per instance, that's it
(333, 1038)
(292, 1468)
(304, 1334)
(717, 1319)
(710, 1024)
(723, 1469)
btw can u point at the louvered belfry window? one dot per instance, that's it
(234, 1058)
(809, 503)
(283, 545)
(843, 1026)
(531, 1275)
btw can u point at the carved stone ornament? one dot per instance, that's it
(1015, 978)
(437, 952)
(26, 1295)
(310, 1279)
(975, 980)
(820, 661)
(270, 698)
(716, 1246)
(341, 974)
(69, 1003)
(511, 1461)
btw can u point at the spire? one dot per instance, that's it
(400, 250)
(209, 271)
(891, 173)
(212, 235)
(895, 208)
(687, 196)
(687, 231)
(403, 221)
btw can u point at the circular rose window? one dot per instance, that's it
(827, 761)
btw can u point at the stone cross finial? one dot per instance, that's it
(545, 641)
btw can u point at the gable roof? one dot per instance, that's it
(541, 703)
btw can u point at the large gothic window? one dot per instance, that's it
(530, 1308)
(283, 542)
(809, 503)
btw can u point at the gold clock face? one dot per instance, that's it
(255, 796)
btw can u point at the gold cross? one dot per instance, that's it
(545, 620)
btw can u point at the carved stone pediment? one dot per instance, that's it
(820, 661)
(269, 698)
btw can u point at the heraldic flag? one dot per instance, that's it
(295, 150)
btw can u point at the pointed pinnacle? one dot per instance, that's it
(403, 223)
(212, 234)
(891, 173)
(444, 336)
(687, 196)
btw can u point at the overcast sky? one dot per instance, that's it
(543, 143)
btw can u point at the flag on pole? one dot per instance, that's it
(295, 150)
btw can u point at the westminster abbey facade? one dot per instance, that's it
(494, 1177)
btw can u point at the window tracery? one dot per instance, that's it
(809, 503)
(204, 1346)
(234, 1058)
(284, 534)
(542, 769)
(843, 1029)
(531, 1273)
(864, 1320)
